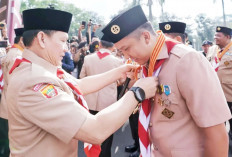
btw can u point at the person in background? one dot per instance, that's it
(223, 64)
(94, 46)
(174, 30)
(205, 47)
(97, 63)
(67, 63)
(6, 64)
(82, 52)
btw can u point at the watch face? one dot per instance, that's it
(140, 94)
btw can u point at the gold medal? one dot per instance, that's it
(160, 101)
(166, 102)
(226, 63)
(167, 113)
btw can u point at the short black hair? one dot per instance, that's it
(106, 44)
(93, 47)
(230, 36)
(28, 36)
(183, 36)
(17, 39)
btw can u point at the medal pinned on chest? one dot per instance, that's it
(168, 113)
(165, 102)
(167, 90)
(226, 63)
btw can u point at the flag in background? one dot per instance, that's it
(14, 19)
(10, 14)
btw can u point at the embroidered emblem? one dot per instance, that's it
(167, 27)
(48, 91)
(115, 29)
(218, 28)
(37, 87)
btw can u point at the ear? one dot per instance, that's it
(178, 38)
(41, 39)
(146, 36)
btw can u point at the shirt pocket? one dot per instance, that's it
(226, 62)
(170, 104)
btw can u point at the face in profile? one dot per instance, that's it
(221, 39)
(56, 47)
(135, 48)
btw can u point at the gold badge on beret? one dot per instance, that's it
(115, 29)
(218, 28)
(167, 27)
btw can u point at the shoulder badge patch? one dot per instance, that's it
(37, 87)
(48, 90)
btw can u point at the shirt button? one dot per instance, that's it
(150, 124)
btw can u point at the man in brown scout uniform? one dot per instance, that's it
(15, 51)
(224, 66)
(6, 63)
(97, 63)
(174, 30)
(183, 123)
(44, 117)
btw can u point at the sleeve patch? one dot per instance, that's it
(48, 91)
(37, 87)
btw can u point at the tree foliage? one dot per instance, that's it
(205, 27)
(78, 14)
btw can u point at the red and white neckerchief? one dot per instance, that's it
(91, 150)
(102, 55)
(17, 62)
(1, 79)
(219, 55)
(145, 110)
(1, 72)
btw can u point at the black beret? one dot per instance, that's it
(172, 27)
(207, 42)
(225, 30)
(48, 19)
(19, 31)
(123, 24)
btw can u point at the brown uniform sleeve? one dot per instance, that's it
(60, 115)
(200, 87)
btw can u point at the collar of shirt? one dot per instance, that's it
(31, 56)
(17, 46)
(164, 53)
(104, 50)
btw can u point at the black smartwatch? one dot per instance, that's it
(139, 93)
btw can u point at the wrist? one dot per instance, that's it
(138, 93)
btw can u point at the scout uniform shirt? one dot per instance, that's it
(7, 63)
(179, 113)
(43, 114)
(225, 74)
(93, 65)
